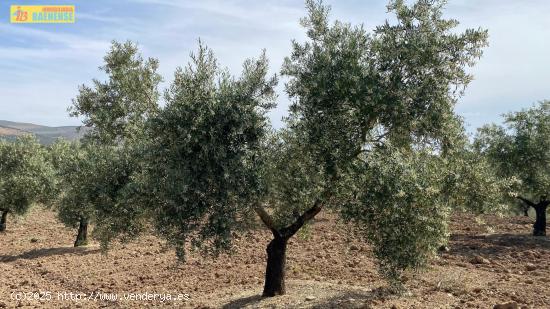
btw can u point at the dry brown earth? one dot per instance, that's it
(491, 261)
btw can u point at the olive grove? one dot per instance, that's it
(357, 98)
(371, 135)
(519, 149)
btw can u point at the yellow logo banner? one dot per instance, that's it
(48, 14)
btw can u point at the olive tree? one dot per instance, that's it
(99, 177)
(210, 164)
(72, 209)
(26, 176)
(93, 176)
(472, 184)
(519, 149)
(88, 176)
(355, 93)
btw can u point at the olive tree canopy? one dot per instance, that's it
(116, 109)
(26, 176)
(100, 177)
(204, 161)
(367, 102)
(519, 149)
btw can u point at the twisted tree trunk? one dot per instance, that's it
(276, 249)
(82, 237)
(539, 228)
(275, 269)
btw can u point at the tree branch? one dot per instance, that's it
(526, 201)
(290, 230)
(267, 220)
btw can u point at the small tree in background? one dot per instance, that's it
(73, 210)
(520, 149)
(473, 186)
(116, 111)
(26, 176)
(92, 176)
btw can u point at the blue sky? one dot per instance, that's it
(42, 65)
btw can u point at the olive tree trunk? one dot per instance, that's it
(276, 249)
(539, 228)
(3, 220)
(275, 269)
(82, 237)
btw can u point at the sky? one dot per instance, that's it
(42, 65)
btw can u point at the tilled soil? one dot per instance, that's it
(490, 260)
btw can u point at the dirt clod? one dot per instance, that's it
(510, 305)
(477, 259)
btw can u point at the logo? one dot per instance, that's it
(19, 15)
(48, 14)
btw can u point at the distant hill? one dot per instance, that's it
(46, 135)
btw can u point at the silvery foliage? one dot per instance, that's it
(377, 113)
(203, 162)
(26, 175)
(519, 149)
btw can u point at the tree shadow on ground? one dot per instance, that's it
(349, 299)
(46, 252)
(243, 302)
(357, 299)
(495, 245)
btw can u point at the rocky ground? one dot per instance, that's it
(490, 261)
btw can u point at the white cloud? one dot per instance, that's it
(76, 42)
(266, 13)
